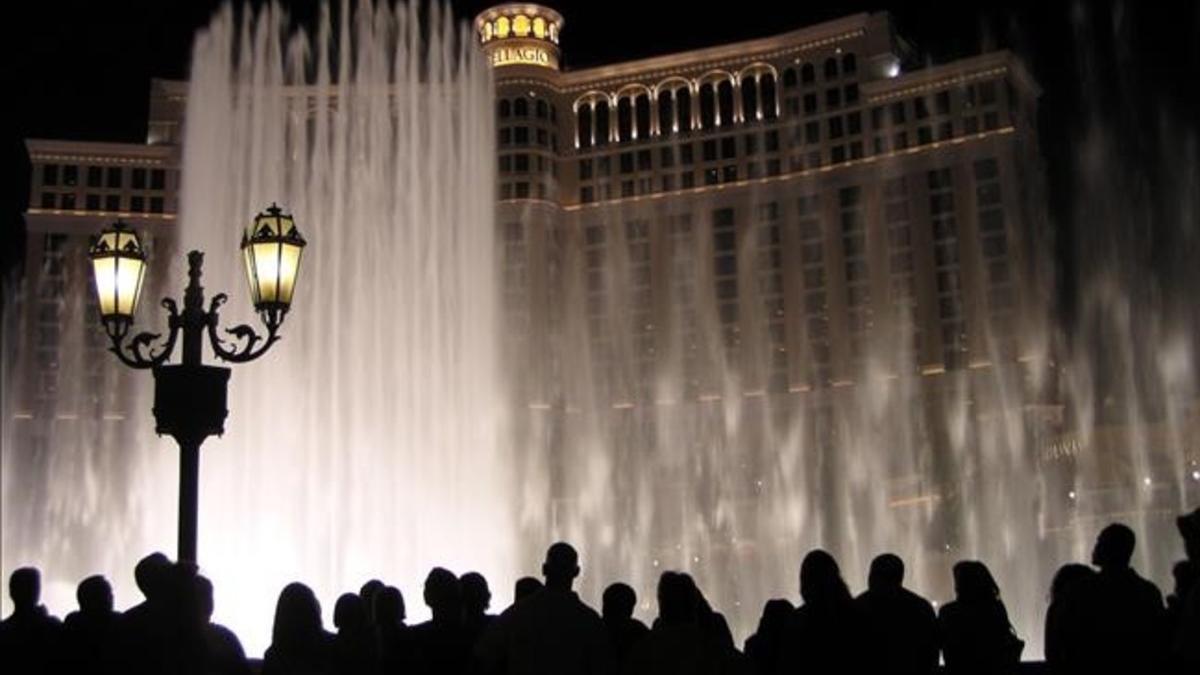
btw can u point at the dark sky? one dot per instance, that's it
(80, 69)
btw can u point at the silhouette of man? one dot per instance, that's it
(142, 630)
(222, 650)
(624, 631)
(476, 598)
(354, 643)
(88, 632)
(1063, 644)
(1122, 613)
(367, 593)
(440, 644)
(525, 587)
(393, 637)
(763, 649)
(901, 625)
(678, 644)
(976, 635)
(826, 634)
(30, 635)
(1185, 647)
(549, 632)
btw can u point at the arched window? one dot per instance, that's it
(541, 109)
(624, 119)
(849, 64)
(725, 101)
(641, 116)
(708, 106)
(808, 74)
(601, 122)
(789, 78)
(666, 112)
(750, 99)
(583, 118)
(766, 93)
(683, 109)
(831, 71)
(520, 108)
(505, 108)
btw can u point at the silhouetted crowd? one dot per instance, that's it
(1102, 618)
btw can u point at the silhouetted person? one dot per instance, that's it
(549, 632)
(901, 626)
(299, 643)
(30, 635)
(89, 632)
(677, 644)
(763, 649)
(1185, 646)
(525, 587)
(144, 629)
(440, 644)
(624, 631)
(354, 643)
(476, 599)
(222, 650)
(977, 637)
(392, 636)
(1122, 615)
(826, 631)
(367, 593)
(1064, 645)
(712, 623)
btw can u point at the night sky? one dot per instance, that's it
(81, 70)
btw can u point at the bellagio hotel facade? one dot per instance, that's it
(841, 218)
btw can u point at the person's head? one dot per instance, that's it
(1189, 529)
(1184, 573)
(95, 596)
(389, 606)
(204, 597)
(973, 582)
(887, 573)
(25, 588)
(1067, 578)
(151, 575)
(619, 601)
(443, 594)
(367, 592)
(525, 587)
(349, 613)
(297, 617)
(476, 596)
(776, 614)
(1114, 547)
(561, 566)
(820, 579)
(676, 599)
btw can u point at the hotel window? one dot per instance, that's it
(789, 78)
(812, 132)
(831, 68)
(48, 200)
(791, 106)
(520, 108)
(987, 93)
(504, 108)
(771, 140)
(156, 204)
(667, 183)
(854, 123)
(70, 175)
(833, 98)
(901, 140)
(837, 154)
(729, 174)
(924, 135)
(941, 102)
(542, 137)
(504, 140)
(991, 121)
(604, 165)
(541, 110)
(856, 150)
(587, 194)
(92, 202)
(897, 113)
(95, 176)
(112, 202)
(877, 117)
(625, 162)
(850, 94)
(880, 145)
(644, 160)
(751, 144)
(849, 64)
(711, 177)
(113, 177)
(49, 174)
(808, 74)
(666, 157)
(836, 128)
(687, 179)
(945, 131)
(521, 163)
(773, 167)
(685, 154)
(810, 104)
(709, 150)
(158, 179)
(68, 200)
(520, 190)
(137, 203)
(627, 188)
(585, 169)
(971, 125)
(920, 108)
(520, 136)
(728, 147)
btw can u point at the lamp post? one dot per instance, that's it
(189, 397)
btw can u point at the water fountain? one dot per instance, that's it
(378, 440)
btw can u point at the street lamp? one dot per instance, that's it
(189, 397)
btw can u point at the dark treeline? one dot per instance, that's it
(1103, 618)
